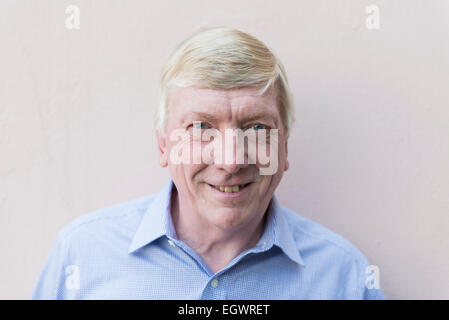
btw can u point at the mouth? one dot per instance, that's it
(230, 188)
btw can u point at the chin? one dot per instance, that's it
(229, 217)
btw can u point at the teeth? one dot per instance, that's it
(235, 188)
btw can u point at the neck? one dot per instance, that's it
(216, 246)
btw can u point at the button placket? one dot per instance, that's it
(214, 283)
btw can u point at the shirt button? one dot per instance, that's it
(214, 283)
(171, 243)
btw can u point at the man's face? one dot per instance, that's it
(227, 195)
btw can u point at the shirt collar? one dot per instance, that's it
(281, 233)
(157, 222)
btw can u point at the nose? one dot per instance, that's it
(234, 156)
(231, 168)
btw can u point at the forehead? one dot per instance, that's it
(238, 101)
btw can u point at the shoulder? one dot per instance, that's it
(122, 217)
(314, 240)
(334, 258)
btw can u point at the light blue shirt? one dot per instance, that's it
(130, 251)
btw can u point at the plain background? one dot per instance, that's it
(369, 154)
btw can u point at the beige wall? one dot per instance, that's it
(369, 155)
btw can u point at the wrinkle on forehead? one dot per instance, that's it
(232, 103)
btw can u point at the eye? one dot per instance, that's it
(199, 125)
(258, 126)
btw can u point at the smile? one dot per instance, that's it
(230, 189)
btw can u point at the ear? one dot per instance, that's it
(287, 164)
(162, 145)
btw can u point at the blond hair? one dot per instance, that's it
(224, 58)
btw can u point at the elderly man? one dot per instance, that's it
(215, 231)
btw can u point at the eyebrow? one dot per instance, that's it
(258, 116)
(210, 118)
(202, 115)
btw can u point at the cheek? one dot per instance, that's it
(266, 183)
(282, 154)
(190, 173)
(183, 167)
(282, 158)
(195, 172)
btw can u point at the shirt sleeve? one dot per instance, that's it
(369, 280)
(50, 284)
(373, 294)
(362, 281)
